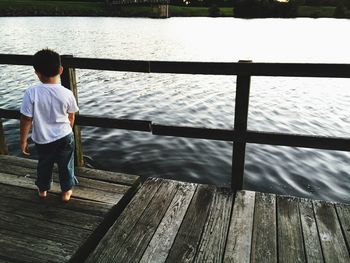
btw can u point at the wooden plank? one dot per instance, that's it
(106, 176)
(47, 213)
(142, 233)
(84, 182)
(264, 243)
(240, 126)
(100, 175)
(313, 250)
(70, 237)
(193, 132)
(213, 240)
(25, 248)
(106, 122)
(180, 67)
(239, 240)
(125, 222)
(69, 81)
(343, 211)
(54, 200)
(332, 240)
(158, 248)
(187, 240)
(3, 145)
(290, 236)
(78, 192)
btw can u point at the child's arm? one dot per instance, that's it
(26, 124)
(71, 117)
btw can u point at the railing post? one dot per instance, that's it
(68, 80)
(240, 128)
(3, 146)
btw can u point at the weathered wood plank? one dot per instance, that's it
(187, 240)
(264, 243)
(213, 240)
(84, 182)
(125, 222)
(332, 240)
(3, 145)
(79, 191)
(25, 248)
(313, 250)
(54, 200)
(132, 249)
(158, 248)
(107, 176)
(70, 237)
(290, 237)
(343, 211)
(239, 240)
(47, 213)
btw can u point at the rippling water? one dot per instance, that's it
(290, 105)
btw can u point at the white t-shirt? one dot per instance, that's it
(49, 105)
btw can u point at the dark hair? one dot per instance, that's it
(47, 62)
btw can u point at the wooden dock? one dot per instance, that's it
(163, 221)
(34, 230)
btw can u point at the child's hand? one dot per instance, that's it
(24, 148)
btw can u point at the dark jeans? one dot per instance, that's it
(61, 152)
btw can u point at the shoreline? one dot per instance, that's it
(14, 8)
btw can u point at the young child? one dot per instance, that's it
(50, 108)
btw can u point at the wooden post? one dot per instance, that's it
(3, 146)
(240, 127)
(68, 80)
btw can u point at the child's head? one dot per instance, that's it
(47, 64)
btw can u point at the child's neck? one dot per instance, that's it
(51, 80)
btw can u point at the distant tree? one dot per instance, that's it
(214, 10)
(340, 11)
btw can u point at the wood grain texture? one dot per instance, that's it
(290, 237)
(159, 247)
(239, 240)
(24, 248)
(46, 213)
(343, 211)
(264, 243)
(140, 236)
(54, 200)
(313, 250)
(188, 238)
(213, 240)
(120, 230)
(107, 176)
(3, 145)
(331, 236)
(70, 236)
(83, 182)
(100, 175)
(78, 192)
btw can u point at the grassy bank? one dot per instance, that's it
(27, 7)
(83, 8)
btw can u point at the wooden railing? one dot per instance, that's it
(240, 136)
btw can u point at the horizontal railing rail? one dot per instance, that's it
(240, 135)
(205, 68)
(271, 138)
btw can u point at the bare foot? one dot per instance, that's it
(66, 195)
(43, 194)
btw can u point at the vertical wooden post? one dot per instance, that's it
(240, 127)
(68, 80)
(3, 146)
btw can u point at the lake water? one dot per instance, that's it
(290, 105)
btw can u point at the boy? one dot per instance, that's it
(50, 108)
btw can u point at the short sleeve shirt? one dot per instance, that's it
(49, 105)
